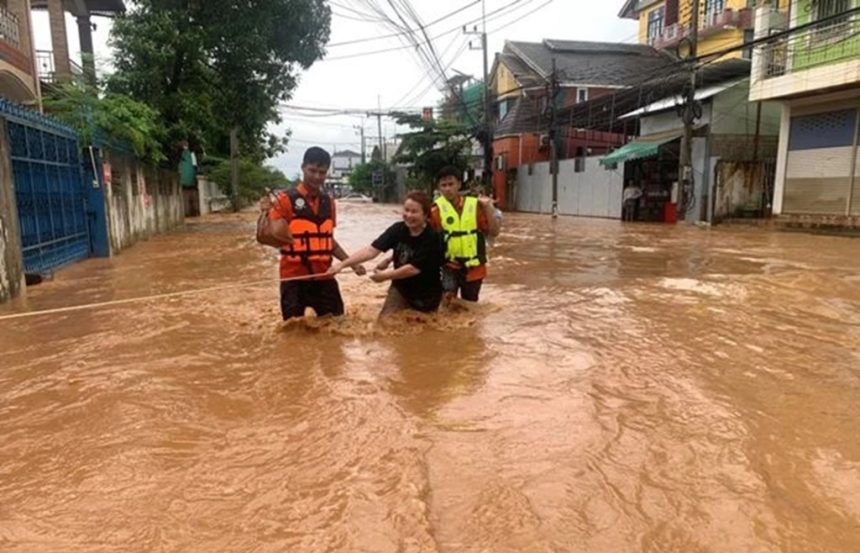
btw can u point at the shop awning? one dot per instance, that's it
(644, 146)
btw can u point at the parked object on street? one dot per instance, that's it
(355, 197)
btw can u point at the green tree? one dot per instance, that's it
(207, 67)
(254, 179)
(430, 146)
(112, 116)
(361, 178)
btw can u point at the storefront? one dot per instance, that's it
(650, 166)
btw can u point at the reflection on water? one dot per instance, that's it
(621, 388)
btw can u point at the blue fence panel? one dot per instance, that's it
(49, 189)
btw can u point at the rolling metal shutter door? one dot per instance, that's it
(855, 201)
(818, 173)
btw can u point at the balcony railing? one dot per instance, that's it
(710, 23)
(10, 30)
(833, 42)
(671, 35)
(48, 71)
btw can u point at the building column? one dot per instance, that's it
(21, 8)
(59, 41)
(85, 32)
(781, 159)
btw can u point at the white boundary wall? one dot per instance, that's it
(595, 192)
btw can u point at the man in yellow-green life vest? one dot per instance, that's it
(465, 223)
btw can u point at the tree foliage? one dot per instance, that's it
(431, 145)
(361, 178)
(254, 179)
(210, 66)
(109, 116)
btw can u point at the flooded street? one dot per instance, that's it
(619, 389)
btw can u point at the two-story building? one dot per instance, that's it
(17, 66)
(57, 64)
(342, 164)
(812, 66)
(585, 71)
(665, 24)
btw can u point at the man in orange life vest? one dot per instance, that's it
(303, 219)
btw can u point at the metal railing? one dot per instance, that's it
(47, 69)
(832, 42)
(10, 29)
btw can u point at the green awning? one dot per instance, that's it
(645, 146)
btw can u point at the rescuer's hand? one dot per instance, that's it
(265, 203)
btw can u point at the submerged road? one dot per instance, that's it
(621, 388)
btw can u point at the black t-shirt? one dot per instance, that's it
(425, 252)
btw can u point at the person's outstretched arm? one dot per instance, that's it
(364, 254)
(406, 271)
(340, 254)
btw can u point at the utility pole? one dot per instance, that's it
(553, 131)
(379, 125)
(378, 114)
(488, 106)
(363, 145)
(689, 115)
(234, 168)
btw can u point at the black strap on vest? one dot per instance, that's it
(305, 212)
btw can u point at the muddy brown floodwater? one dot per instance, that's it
(621, 389)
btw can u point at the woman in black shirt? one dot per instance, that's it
(418, 258)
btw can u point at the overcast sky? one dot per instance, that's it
(396, 78)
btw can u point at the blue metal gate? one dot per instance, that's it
(49, 189)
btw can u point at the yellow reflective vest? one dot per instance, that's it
(464, 242)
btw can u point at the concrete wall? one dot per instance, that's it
(140, 201)
(210, 196)
(595, 192)
(11, 262)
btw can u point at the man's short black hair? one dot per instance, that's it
(317, 156)
(449, 171)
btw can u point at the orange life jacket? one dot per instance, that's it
(313, 233)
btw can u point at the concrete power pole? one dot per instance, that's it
(488, 107)
(378, 114)
(553, 133)
(363, 144)
(689, 114)
(234, 168)
(488, 101)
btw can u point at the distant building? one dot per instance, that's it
(665, 24)
(587, 71)
(342, 164)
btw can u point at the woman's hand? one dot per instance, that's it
(379, 276)
(334, 269)
(384, 264)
